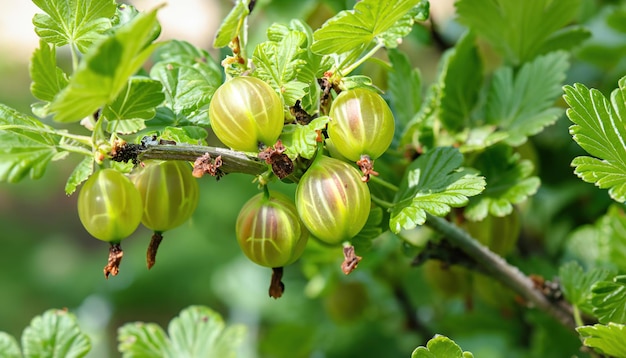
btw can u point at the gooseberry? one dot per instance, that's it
(361, 123)
(246, 112)
(109, 206)
(269, 230)
(332, 200)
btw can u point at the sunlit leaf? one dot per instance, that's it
(9, 347)
(231, 25)
(599, 128)
(55, 334)
(105, 69)
(577, 284)
(440, 347)
(82, 171)
(609, 300)
(607, 339)
(76, 22)
(138, 99)
(300, 140)
(434, 183)
(48, 79)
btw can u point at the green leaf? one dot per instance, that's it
(565, 39)
(9, 347)
(105, 69)
(460, 81)
(405, 87)
(189, 77)
(519, 30)
(138, 99)
(82, 171)
(54, 334)
(522, 105)
(125, 126)
(28, 145)
(577, 284)
(196, 332)
(300, 140)
(356, 29)
(372, 229)
(609, 300)
(607, 339)
(393, 36)
(187, 134)
(599, 128)
(277, 63)
(433, 183)
(75, 22)
(231, 26)
(48, 78)
(440, 347)
(509, 182)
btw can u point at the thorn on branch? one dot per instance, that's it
(351, 260)
(115, 258)
(277, 287)
(207, 165)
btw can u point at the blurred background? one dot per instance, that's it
(384, 309)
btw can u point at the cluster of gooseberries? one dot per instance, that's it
(332, 200)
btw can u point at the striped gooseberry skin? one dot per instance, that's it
(169, 194)
(109, 206)
(332, 200)
(244, 112)
(361, 123)
(269, 230)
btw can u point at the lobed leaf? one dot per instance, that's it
(440, 347)
(137, 100)
(82, 171)
(459, 81)
(28, 145)
(599, 128)
(356, 29)
(48, 79)
(509, 182)
(301, 140)
(577, 284)
(231, 25)
(105, 69)
(54, 334)
(9, 347)
(433, 183)
(196, 332)
(520, 30)
(609, 300)
(75, 22)
(522, 105)
(609, 339)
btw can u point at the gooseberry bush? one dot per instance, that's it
(362, 165)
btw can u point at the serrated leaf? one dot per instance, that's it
(196, 332)
(522, 105)
(55, 334)
(231, 26)
(9, 347)
(609, 300)
(393, 36)
(278, 63)
(565, 39)
(433, 183)
(125, 126)
(612, 231)
(440, 347)
(460, 81)
(138, 99)
(577, 284)
(28, 145)
(599, 128)
(607, 339)
(509, 182)
(105, 69)
(372, 229)
(517, 29)
(405, 87)
(356, 29)
(144, 340)
(300, 140)
(48, 78)
(74, 22)
(82, 171)
(190, 77)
